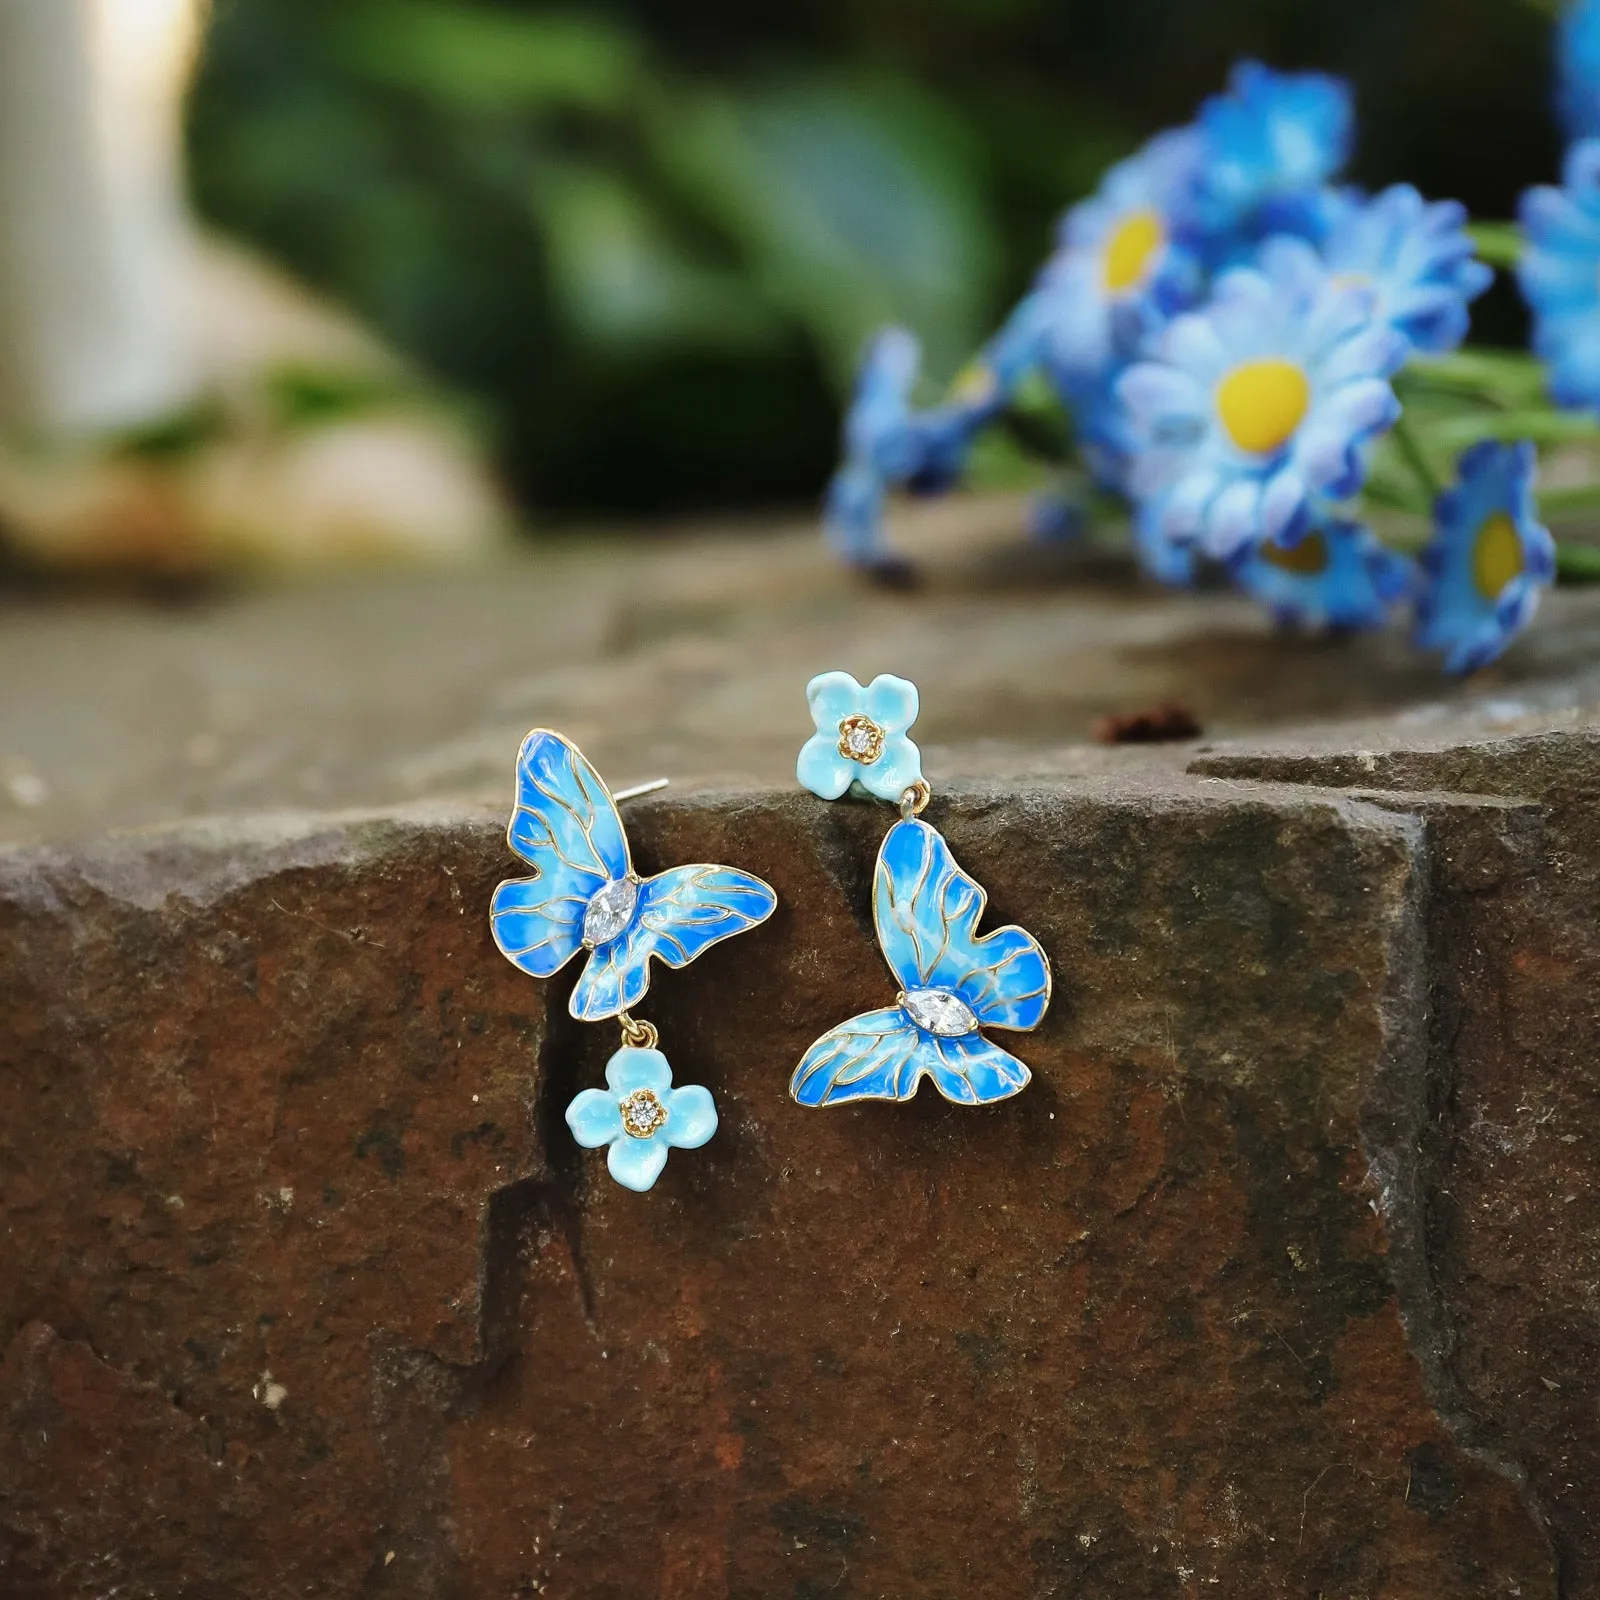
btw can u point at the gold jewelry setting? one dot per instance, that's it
(861, 739)
(642, 1114)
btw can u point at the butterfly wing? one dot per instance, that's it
(927, 912)
(871, 1057)
(680, 914)
(882, 1056)
(566, 827)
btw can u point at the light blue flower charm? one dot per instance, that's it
(1337, 576)
(1416, 258)
(860, 740)
(1489, 559)
(953, 983)
(585, 895)
(1560, 276)
(1250, 409)
(641, 1116)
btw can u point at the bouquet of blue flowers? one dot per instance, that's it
(1266, 369)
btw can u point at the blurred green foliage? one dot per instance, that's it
(651, 238)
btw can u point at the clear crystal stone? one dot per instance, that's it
(861, 739)
(608, 911)
(642, 1114)
(939, 1012)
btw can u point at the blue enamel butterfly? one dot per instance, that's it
(953, 983)
(585, 895)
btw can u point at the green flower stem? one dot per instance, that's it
(1498, 243)
(1406, 442)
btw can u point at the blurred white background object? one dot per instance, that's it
(93, 228)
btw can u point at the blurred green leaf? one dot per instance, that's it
(1577, 563)
(173, 437)
(1543, 426)
(1570, 497)
(1510, 378)
(1000, 462)
(466, 57)
(620, 277)
(857, 205)
(1389, 493)
(306, 396)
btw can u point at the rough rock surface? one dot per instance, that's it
(1280, 1279)
(311, 1292)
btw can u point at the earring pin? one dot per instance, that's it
(640, 788)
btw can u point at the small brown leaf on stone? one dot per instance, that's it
(1168, 722)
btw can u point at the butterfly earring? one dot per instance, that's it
(585, 895)
(953, 982)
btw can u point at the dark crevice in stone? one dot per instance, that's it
(566, 1065)
(848, 852)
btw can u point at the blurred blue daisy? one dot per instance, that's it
(1123, 264)
(1488, 559)
(1272, 143)
(1337, 575)
(887, 444)
(1560, 276)
(1578, 69)
(640, 1116)
(1258, 403)
(1417, 259)
(1162, 558)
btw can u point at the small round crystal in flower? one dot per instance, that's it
(609, 911)
(939, 1012)
(861, 739)
(642, 1114)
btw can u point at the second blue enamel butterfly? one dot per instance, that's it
(953, 981)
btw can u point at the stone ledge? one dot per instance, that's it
(1242, 1289)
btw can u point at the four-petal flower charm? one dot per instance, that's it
(641, 1116)
(861, 739)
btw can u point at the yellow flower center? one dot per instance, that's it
(1127, 254)
(975, 385)
(1496, 555)
(1261, 403)
(1305, 560)
(1353, 280)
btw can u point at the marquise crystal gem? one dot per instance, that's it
(609, 911)
(939, 1012)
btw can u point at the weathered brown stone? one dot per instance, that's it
(273, 1104)
(1506, 1322)
(1279, 1280)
